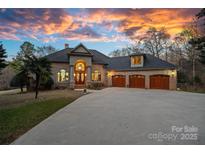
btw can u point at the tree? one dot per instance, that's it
(2, 57)
(189, 49)
(19, 80)
(201, 47)
(26, 49)
(45, 50)
(125, 51)
(22, 76)
(200, 43)
(41, 67)
(156, 41)
(201, 14)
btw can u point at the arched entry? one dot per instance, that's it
(79, 72)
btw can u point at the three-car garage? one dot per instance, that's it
(158, 81)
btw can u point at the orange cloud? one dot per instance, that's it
(172, 19)
(90, 24)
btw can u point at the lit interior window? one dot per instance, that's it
(62, 75)
(80, 67)
(96, 76)
(136, 60)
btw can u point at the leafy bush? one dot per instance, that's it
(19, 80)
(96, 85)
(46, 84)
(197, 80)
(182, 77)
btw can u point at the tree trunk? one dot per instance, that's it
(21, 88)
(193, 71)
(37, 85)
(27, 83)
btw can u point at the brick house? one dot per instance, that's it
(80, 67)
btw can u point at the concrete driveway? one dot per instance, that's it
(125, 116)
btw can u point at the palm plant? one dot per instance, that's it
(40, 67)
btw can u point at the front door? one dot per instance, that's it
(80, 69)
(79, 78)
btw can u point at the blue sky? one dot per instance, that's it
(101, 29)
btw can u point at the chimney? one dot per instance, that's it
(66, 45)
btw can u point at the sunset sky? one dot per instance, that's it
(101, 29)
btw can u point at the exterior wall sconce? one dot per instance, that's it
(109, 74)
(85, 74)
(173, 73)
(74, 74)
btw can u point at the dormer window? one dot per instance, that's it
(137, 61)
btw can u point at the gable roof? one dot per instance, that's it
(112, 63)
(62, 56)
(76, 53)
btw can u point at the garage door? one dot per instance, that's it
(159, 82)
(118, 81)
(137, 81)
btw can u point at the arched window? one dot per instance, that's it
(96, 76)
(62, 75)
(80, 67)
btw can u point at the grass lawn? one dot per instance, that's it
(17, 118)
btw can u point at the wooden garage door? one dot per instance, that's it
(137, 81)
(159, 82)
(118, 81)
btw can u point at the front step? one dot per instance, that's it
(80, 86)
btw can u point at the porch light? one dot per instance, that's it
(85, 74)
(74, 74)
(79, 68)
(109, 74)
(173, 73)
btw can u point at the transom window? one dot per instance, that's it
(136, 60)
(96, 76)
(62, 75)
(80, 67)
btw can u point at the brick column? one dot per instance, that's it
(89, 72)
(147, 82)
(72, 81)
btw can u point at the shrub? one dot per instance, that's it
(96, 85)
(182, 77)
(19, 80)
(46, 84)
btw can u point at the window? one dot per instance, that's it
(62, 75)
(80, 67)
(136, 60)
(96, 76)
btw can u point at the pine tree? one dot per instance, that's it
(201, 40)
(2, 57)
(202, 49)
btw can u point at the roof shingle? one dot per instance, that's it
(114, 63)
